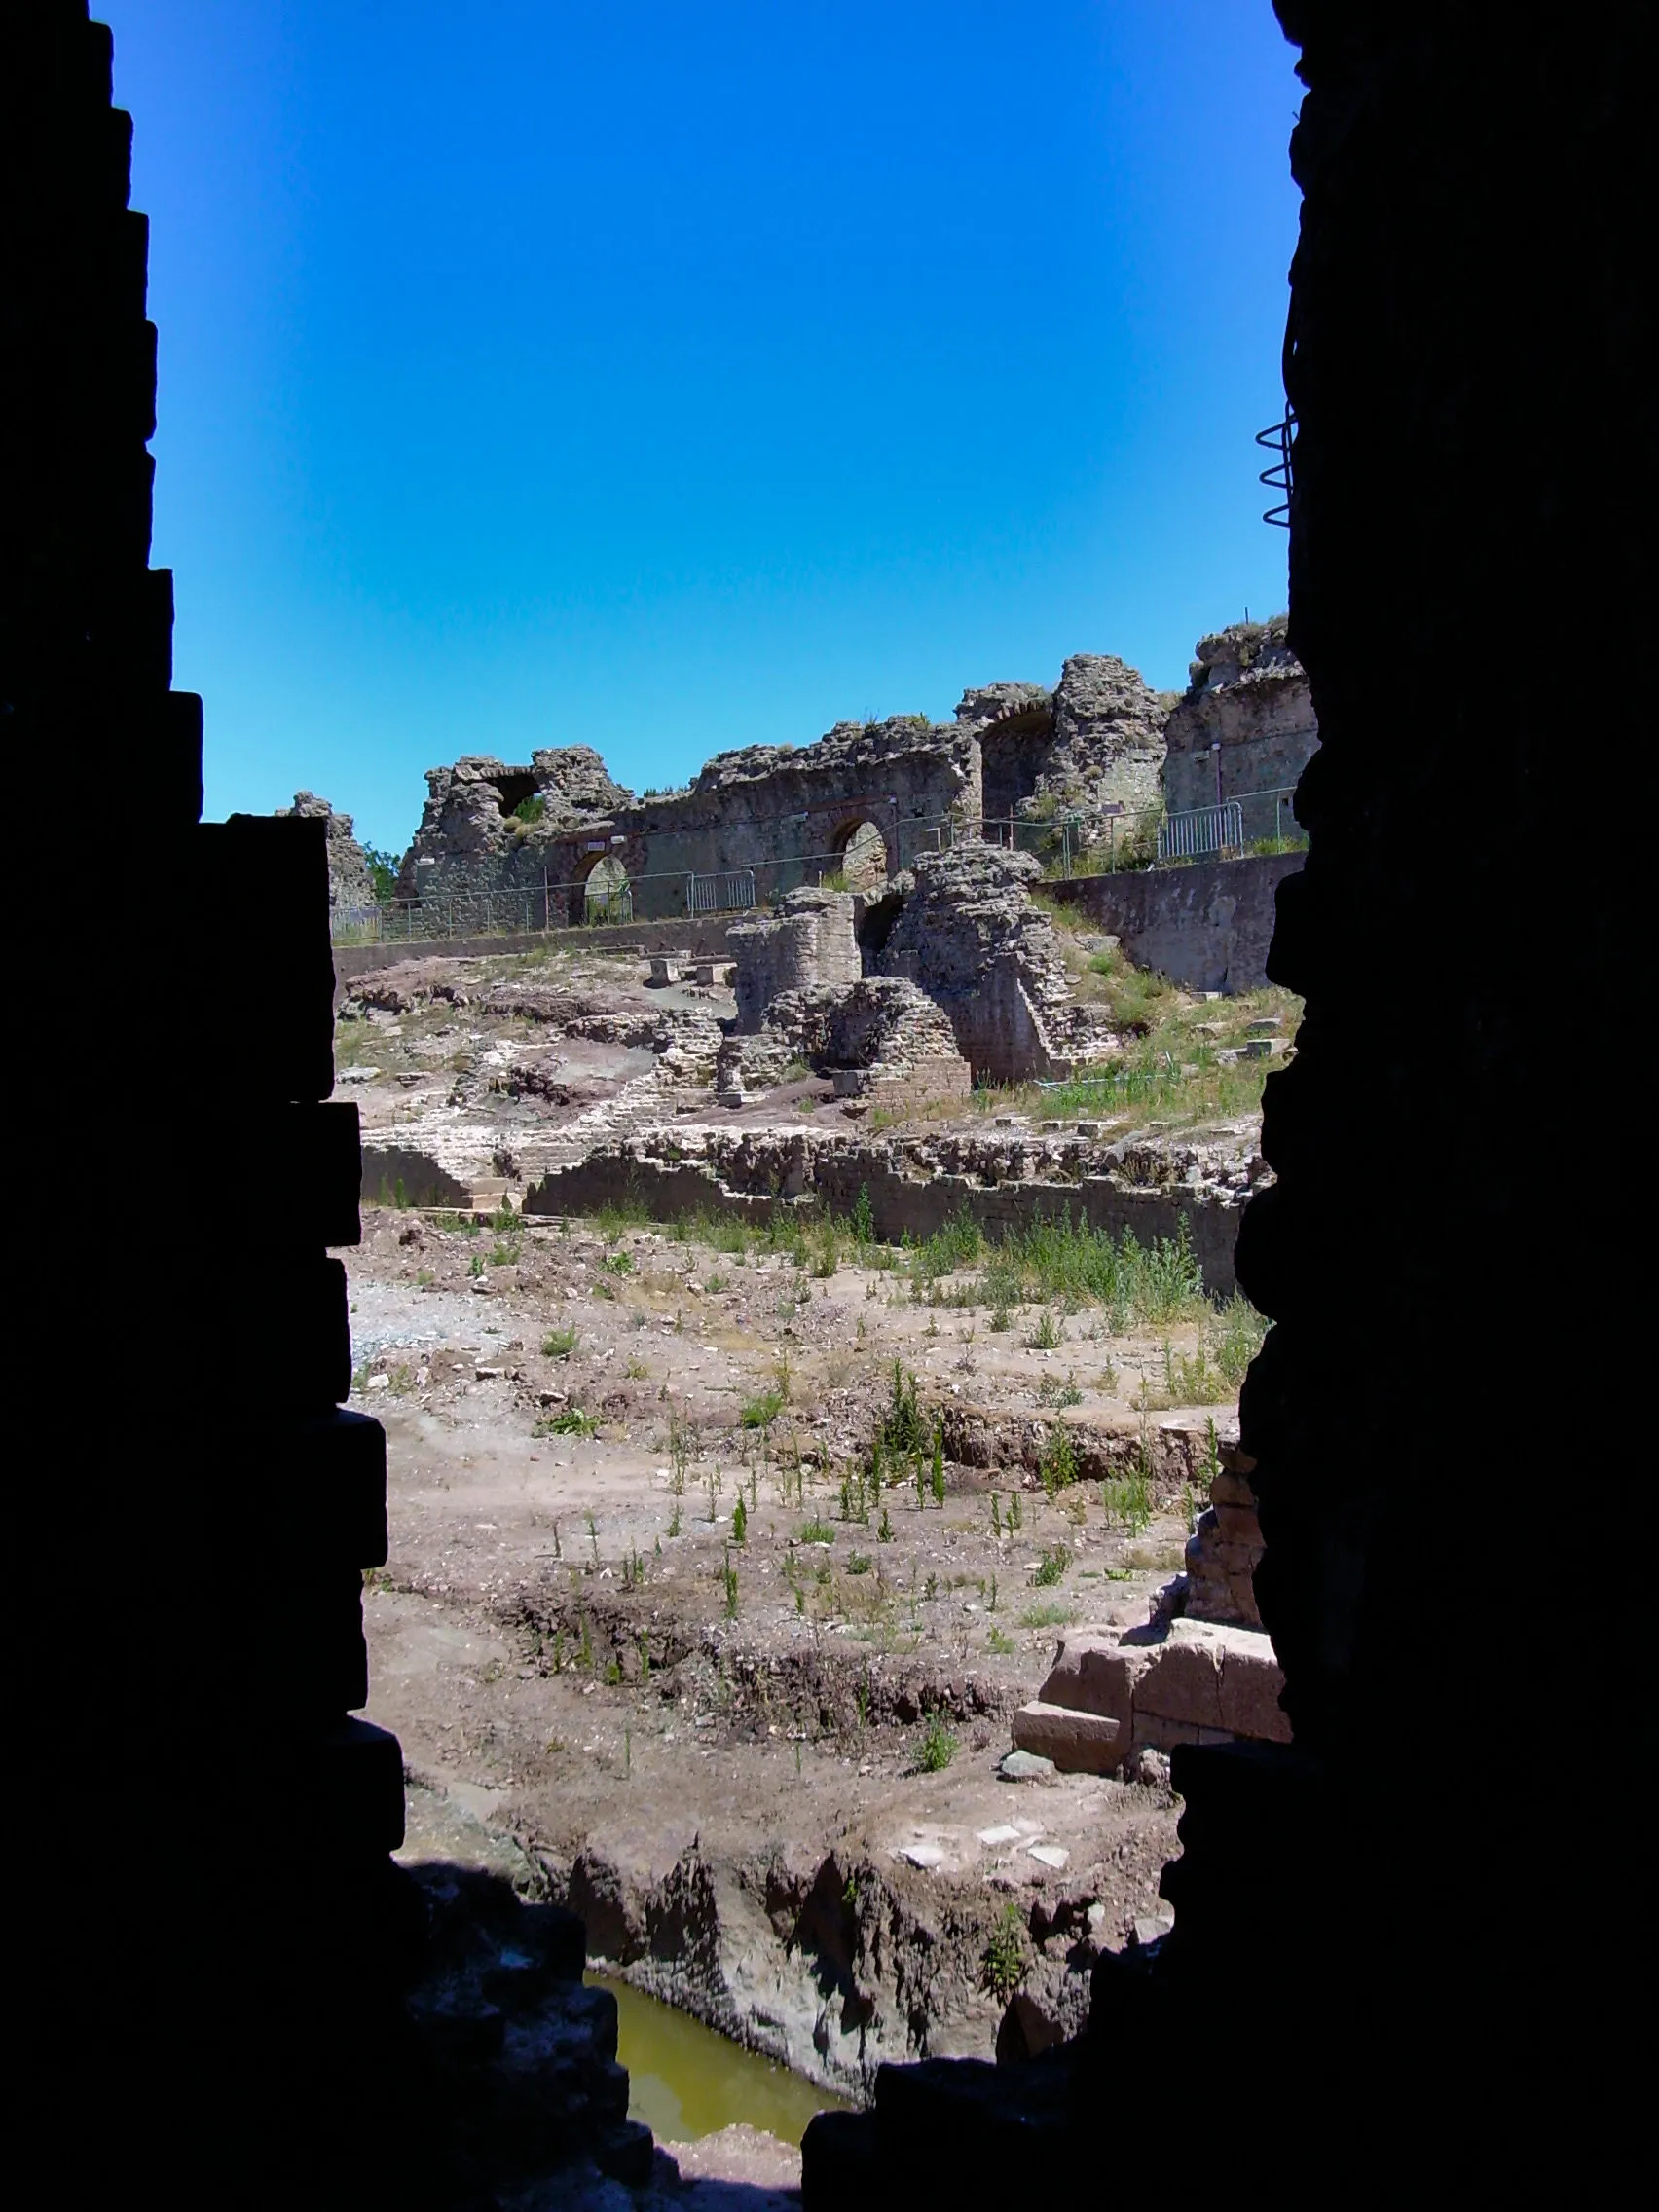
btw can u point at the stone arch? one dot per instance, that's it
(597, 886)
(606, 894)
(861, 855)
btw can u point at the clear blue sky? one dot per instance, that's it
(670, 375)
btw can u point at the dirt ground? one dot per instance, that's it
(763, 1760)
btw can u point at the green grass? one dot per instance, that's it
(623, 1214)
(816, 1532)
(764, 1410)
(1045, 1616)
(559, 1344)
(1051, 1568)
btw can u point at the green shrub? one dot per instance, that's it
(1050, 1567)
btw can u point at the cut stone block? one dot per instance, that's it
(1077, 1743)
(1093, 1671)
(1250, 1686)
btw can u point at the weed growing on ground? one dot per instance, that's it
(816, 1532)
(937, 1746)
(1006, 1961)
(1044, 1616)
(1001, 1645)
(1238, 1338)
(730, 1578)
(740, 1521)
(573, 1421)
(1060, 1460)
(559, 1344)
(616, 1220)
(1128, 1499)
(1051, 1393)
(1051, 1568)
(859, 1562)
(1047, 1336)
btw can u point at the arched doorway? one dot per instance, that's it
(606, 894)
(863, 855)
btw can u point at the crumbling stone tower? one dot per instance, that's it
(220, 1945)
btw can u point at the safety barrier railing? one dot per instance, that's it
(730, 893)
(1064, 842)
(1202, 833)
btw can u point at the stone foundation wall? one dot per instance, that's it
(750, 1179)
(878, 1037)
(1207, 927)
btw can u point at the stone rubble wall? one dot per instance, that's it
(1226, 1547)
(1248, 693)
(969, 937)
(878, 1037)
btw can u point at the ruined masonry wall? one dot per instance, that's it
(899, 1203)
(1250, 695)
(810, 943)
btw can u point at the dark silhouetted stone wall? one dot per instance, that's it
(216, 1927)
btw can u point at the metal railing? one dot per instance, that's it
(1202, 833)
(1066, 844)
(730, 893)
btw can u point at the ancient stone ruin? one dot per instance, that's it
(952, 976)
(1066, 769)
(967, 933)
(1244, 728)
(350, 887)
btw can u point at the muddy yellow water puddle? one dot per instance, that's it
(684, 2081)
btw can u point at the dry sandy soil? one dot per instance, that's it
(731, 1779)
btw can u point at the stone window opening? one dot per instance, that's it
(514, 789)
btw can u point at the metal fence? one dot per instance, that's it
(1064, 843)
(730, 894)
(1202, 833)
